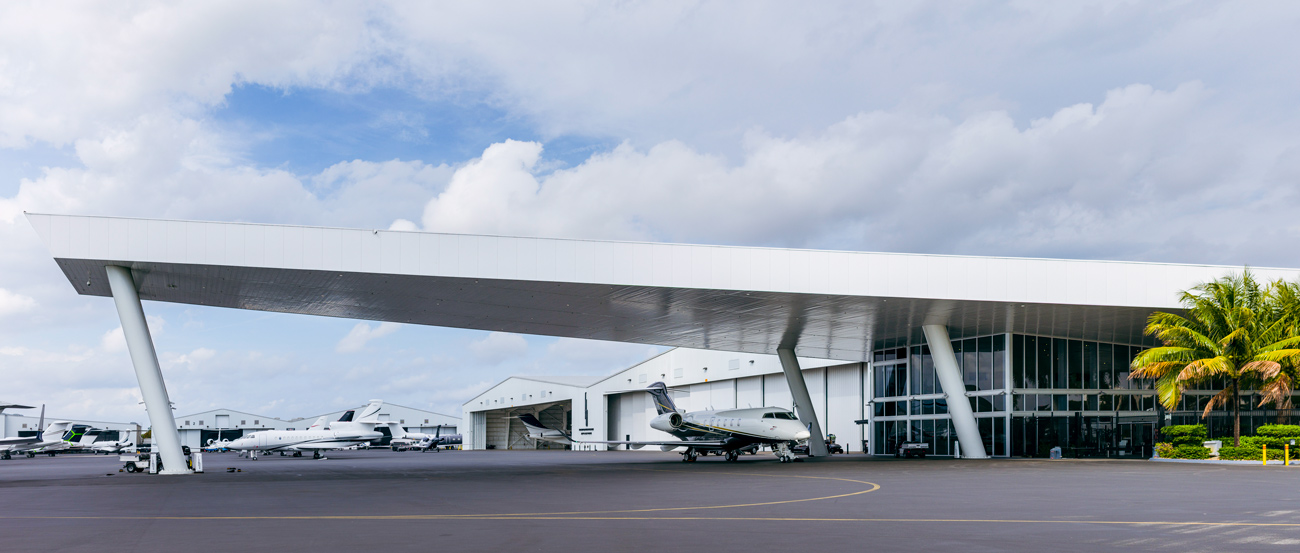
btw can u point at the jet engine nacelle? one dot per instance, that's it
(667, 422)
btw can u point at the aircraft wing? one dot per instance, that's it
(19, 441)
(538, 431)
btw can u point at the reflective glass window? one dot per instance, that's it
(984, 380)
(1060, 363)
(1075, 354)
(1075, 402)
(999, 361)
(1091, 403)
(927, 371)
(1044, 362)
(1090, 365)
(1018, 403)
(1044, 402)
(1106, 366)
(1060, 402)
(970, 363)
(1017, 361)
(1031, 361)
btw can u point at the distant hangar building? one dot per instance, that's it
(948, 339)
(199, 428)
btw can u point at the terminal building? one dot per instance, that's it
(986, 355)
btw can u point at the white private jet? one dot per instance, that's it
(340, 434)
(420, 440)
(90, 441)
(700, 432)
(50, 441)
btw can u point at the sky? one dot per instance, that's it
(1152, 131)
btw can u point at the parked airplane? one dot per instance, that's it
(342, 433)
(8, 445)
(50, 441)
(700, 432)
(90, 442)
(420, 440)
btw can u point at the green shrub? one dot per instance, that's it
(1230, 453)
(1191, 452)
(1258, 442)
(1184, 434)
(1165, 450)
(1287, 431)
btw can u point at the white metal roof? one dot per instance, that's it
(827, 304)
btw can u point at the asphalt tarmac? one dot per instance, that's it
(624, 501)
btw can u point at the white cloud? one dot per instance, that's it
(497, 347)
(13, 303)
(114, 341)
(1127, 178)
(362, 334)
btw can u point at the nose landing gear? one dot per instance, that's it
(783, 452)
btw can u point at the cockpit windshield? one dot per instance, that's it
(783, 415)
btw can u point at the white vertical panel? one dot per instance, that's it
(749, 392)
(526, 259)
(584, 261)
(722, 394)
(816, 380)
(78, 237)
(565, 262)
(545, 260)
(98, 238)
(274, 254)
(643, 268)
(681, 269)
(722, 268)
(779, 267)
(255, 245)
(701, 397)
(175, 237)
(293, 247)
(844, 405)
(390, 251)
(776, 393)
(507, 258)
(701, 268)
(119, 235)
(448, 255)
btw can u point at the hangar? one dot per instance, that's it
(850, 306)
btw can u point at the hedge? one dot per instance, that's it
(1184, 434)
(1258, 442)
(1287, 431)
(1191, 452)
(1230, 453)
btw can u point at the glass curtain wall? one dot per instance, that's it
(908, 403)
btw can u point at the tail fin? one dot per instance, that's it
(320, 423)
(347, 417)
(395, 428)
(539, 431)
(371, 411)
(54, 433)
(663, 403)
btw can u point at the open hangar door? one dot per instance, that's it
(504, 431)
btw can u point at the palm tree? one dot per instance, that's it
(1283, 307)
(1230, 333)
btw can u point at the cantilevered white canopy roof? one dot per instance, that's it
(828, 304)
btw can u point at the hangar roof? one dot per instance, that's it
(826, 304)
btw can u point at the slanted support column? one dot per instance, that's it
(945, 367)
(166, 440)
(803, 404)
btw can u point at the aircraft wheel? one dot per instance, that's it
(732, 455)
(317, 455)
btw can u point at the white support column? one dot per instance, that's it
(166, 439)
(949, 374)
(803, 402)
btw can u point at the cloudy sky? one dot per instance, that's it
(1155, 131)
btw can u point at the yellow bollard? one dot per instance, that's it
(1265, 454)
(1286, 453)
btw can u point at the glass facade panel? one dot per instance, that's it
(970, 363)
(1106, 366)
(1044, 362)
(1018, 362)
(1060, 363)
(985, 377)
(1090, 372)
(1075, 360)
(999, 361)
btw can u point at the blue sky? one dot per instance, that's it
(1158, 131)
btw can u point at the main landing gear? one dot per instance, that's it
(316, 454)
(732, 455)
(690, 455)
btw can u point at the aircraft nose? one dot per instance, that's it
(802, 435)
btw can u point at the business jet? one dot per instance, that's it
(727, 431)
(420, 440)
(50, 441)
(90, 442)
(340, 434)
